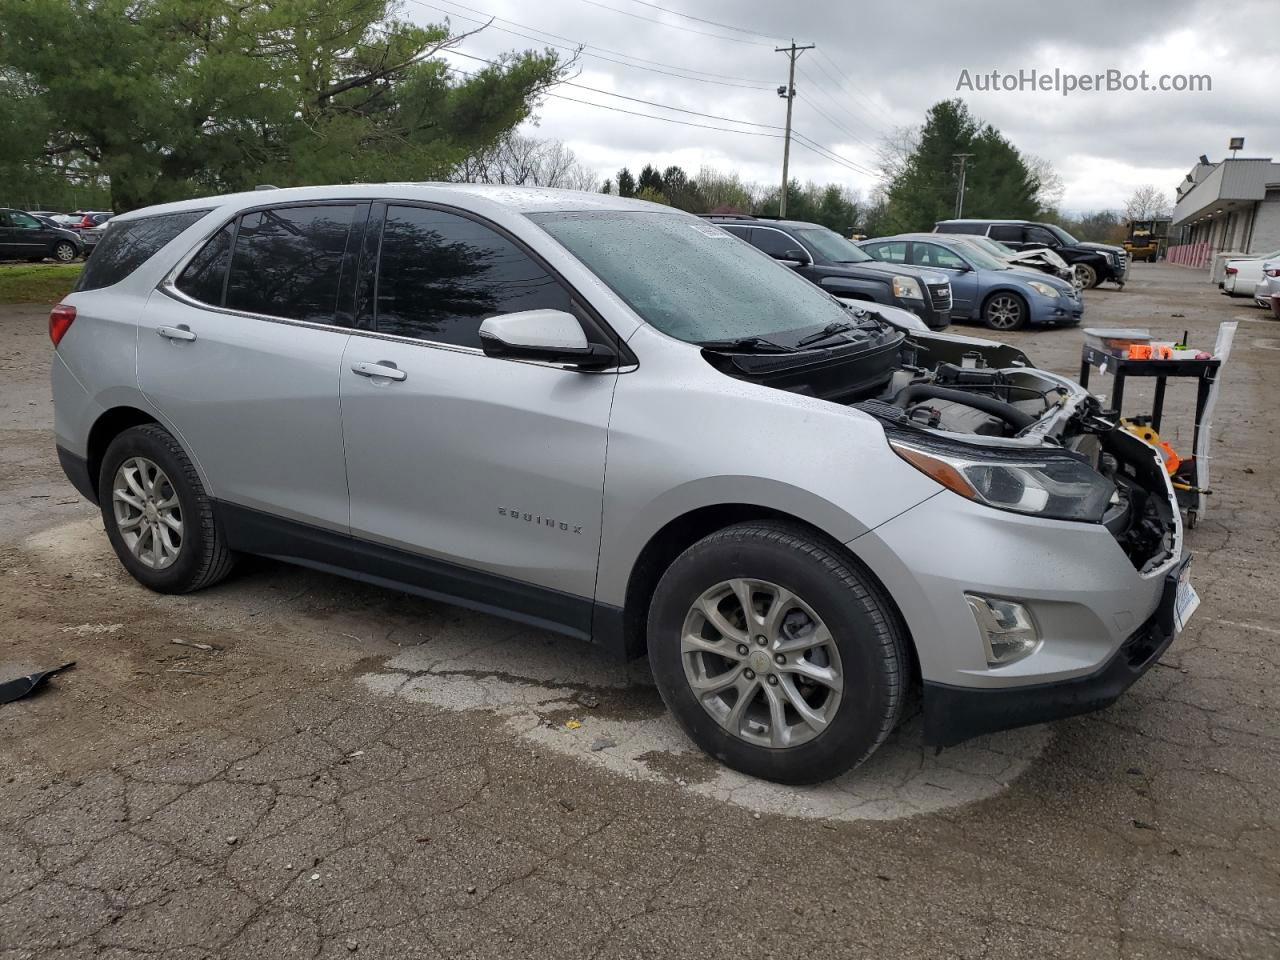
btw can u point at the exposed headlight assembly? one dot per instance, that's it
(1043, 289)
(906, 288)
(1046, 484)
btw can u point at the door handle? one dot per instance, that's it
(180, 332)
(383, 368)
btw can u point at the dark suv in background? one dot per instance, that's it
(838, 266)
(24, 237)
(1092, 263)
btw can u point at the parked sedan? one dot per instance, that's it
(1266, 293)
(91, 235)
(982, 287)
(1242, 275)
(24, 237)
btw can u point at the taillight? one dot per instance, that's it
(1232, 271)
(60, 319)
(1273, 272)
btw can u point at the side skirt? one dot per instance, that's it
(252, 531)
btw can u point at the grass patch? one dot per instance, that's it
(37, 282)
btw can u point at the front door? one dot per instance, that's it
(22, 235)
(244, 365)
(489, 469)
(964, 280)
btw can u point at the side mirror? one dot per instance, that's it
(793, 258)
(552, 336)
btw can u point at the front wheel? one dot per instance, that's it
(64, 251)
(1005, 311)
(157, 515)
(1084, 276)
(776, 653)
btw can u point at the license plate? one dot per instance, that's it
(1186, 600)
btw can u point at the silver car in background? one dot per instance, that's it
(610, 419)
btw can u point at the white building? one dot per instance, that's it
(1232, 206)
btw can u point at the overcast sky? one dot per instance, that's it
(880, 66)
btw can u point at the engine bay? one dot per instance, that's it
(987, 398)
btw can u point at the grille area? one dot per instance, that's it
(940, 295)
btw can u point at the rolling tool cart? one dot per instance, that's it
(1130, 353)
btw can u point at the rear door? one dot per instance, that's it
(1010, 234)
(493, 468)
(241, 355)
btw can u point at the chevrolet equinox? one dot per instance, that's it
(613, 420)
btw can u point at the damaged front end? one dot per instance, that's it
(984, 422)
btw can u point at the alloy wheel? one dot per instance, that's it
(1004, 313)
(762, 663)
(64, 252)
(1082, 276)
(147, 512)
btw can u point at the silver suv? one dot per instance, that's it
(613, 420)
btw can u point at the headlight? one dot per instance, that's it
(1044, 484)
(906, 288)
(1043, 289)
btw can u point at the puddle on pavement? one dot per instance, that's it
(560, 693)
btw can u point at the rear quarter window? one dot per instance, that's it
(127, 246)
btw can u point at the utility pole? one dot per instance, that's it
(789, 93)
(962, 157)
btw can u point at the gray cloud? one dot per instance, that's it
(880, 66)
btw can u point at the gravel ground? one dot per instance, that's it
(349, 771)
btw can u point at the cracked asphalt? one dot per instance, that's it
(346, 771)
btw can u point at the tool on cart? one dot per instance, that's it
(1130, 352)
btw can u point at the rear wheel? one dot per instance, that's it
(158, 518)
(1005, 311)
(776, 654)
(64, 251)
(1084, 276)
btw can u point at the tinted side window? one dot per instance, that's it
(774, 242)
(288, 262)
(127, 246)
(1006, 232)
(1041, 235)
(440, 275)
(204, 277)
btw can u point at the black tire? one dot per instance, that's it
(994, 311)
(1089, 275)
(64, 251)
(203, 557)
(862, 623)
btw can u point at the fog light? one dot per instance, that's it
(1008, 630)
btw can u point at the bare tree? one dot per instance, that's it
(895, 149)
(1147, 203)
(520, 160)
(1051, 189)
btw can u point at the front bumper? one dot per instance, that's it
(934, 318)
(955, 714)
(1056, 312)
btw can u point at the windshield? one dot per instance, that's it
(690, 279)
(831, 245)
(994, 247)
(1062, 235)
(981, 258)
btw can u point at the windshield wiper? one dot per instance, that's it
(753, 344)
(830, 330)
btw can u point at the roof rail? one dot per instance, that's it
(729, 216)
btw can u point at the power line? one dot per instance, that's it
(637, 113)
(850, 87)
(586, 49)
(713, 23)
(829, 154)
(674, 26)
(620, 96)
(840, 107)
